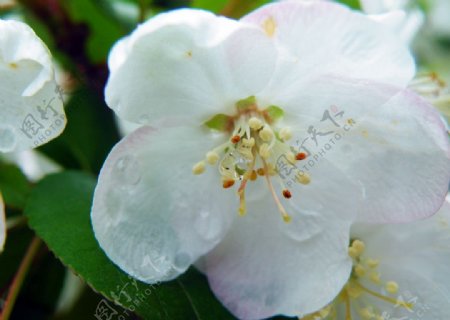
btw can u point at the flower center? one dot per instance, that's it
(355, 293)
(253, 150)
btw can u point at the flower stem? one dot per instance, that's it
(19, 278)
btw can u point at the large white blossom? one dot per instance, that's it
(315, 125)
(399, 272)
(31, 109)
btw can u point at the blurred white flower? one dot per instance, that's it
(399, 272)
(31, 109)
(312, 119)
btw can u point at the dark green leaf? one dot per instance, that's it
(13, 185)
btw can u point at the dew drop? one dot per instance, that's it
(127, 170)
(302, 228)
(207, 226)
(182, 261)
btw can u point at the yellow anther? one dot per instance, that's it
(248, 142)
(266, 134)
(352, 252)
(271, 170)
(366, 313)
(375, 277)
(359, 246)
(285, 134)
(360, 271)
(303, 178)
(287, 218)
(255, 123)
(373, 263)
(212, 157)
(392, 287)
(199, 168)
(264, 151)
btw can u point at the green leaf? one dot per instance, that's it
(89, 135)
(104, 30)
(354, 4)
(220, 122)
(59, 211)
(13, 185)
(274, 113)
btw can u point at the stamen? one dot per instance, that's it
(300, 156)
(287, 194)
(235, 139)
(212, 157)
(392, 287)
(285, 134)
(199, 168)
(228, 184)
(264, 151)
(255, 123)
(266, 134)
(348, 309)
(390, 300)
(286, 217)
(303, 178)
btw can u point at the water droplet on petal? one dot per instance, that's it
(302, 227)
(207, 226)
(127, 170)
(182, 261)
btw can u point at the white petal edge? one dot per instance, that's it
(187, 64)
(397, 148)
(151, 215)
(18, 42)
(323, 38)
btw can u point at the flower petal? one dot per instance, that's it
(416, 256)
(2, 224)
(187, 63)
(265, 266)
(30, 106)
(18, 42)
(151, 215)
(394, 145)
(323, 38)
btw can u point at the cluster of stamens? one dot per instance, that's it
(251, 152)
(355, 293)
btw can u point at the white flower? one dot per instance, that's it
(31, 110)
(169, 194)
(2, 224)
(399, 15)
(399, 272)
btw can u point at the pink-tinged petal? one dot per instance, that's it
(2, 224)
(187, 64)
(392, 143)
(323, 38)
(266, 266)
(416, 256)
(151, 215)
